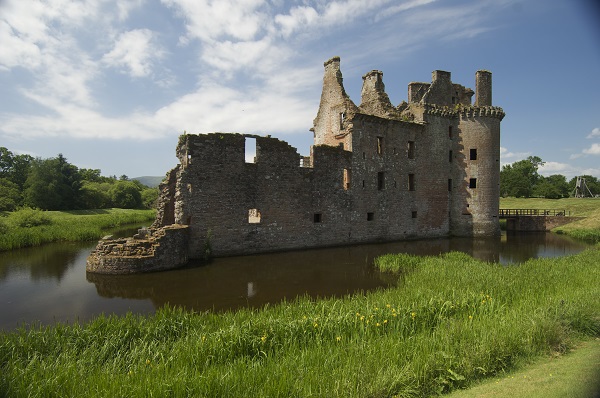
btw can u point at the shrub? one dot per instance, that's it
(27, 218)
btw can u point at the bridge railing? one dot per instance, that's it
(533, 212)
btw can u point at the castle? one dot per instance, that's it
(376, 172)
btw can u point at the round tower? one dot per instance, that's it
(476, 198)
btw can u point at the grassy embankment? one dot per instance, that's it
(29, 227)
(453, 320)
(587, 229)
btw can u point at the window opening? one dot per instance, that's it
(317, 217)
(473, 183)
(347, 176)
(364, 155)
(411, 182)
(370, 216)
(450, 156)
(473, 154)
(250, 150)
(414, 214)
(450, 132)
(380, 180)
(379, 145)
(411, 149)
(253, 216)
(449, 184)
(342, 119)
(363, 183)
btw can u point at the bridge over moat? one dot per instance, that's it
(535, 219)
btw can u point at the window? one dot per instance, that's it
(342, 119)
(380, 180)
(449, 184)
(380, 145)
(363, 184)
(253, 216)
(250, 150)
(364, 155)
(370, 216)
(411, 182)
(411, 149)
(347, 176)
(317, 218)
(414, 214)
(473, 183)
(449, 131)
(473, 154)
(450, 156)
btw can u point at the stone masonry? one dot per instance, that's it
(377, 172)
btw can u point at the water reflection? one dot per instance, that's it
(49, 283)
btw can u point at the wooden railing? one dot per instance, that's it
(504, 213)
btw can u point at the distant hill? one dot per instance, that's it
(150, 181)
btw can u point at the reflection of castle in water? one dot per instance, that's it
(252, 281)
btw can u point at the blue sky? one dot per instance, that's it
(111, 84)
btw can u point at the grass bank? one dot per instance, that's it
(587, 229)
(452, 321)
(28, 227)
(572, 375)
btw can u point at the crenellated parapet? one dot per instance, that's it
(479, 111)
(443, 111)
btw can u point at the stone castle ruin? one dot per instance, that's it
(428, 167)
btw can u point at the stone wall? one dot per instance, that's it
(538, 223)
(150, 250)
(376, 172)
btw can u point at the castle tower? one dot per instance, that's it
(483, 88)
(476, 198)
(335, 109)
(374, 99)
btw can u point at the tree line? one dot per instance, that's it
(522, 180)
(56, 184)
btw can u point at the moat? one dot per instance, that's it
(49, 283)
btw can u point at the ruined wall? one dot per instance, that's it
(333, 121)
(156, 250)
(427, 168)
(272, 204)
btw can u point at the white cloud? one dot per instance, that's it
(549, 168)
(513, 156)
(298, 18)
(135, 51)
(210, 20)
(595, 133)
(593, 150)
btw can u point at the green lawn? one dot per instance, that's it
(29, 227)
(575, 375)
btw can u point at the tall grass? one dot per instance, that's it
(28, 227)
(450, 321)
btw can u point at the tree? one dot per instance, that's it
(53, 184)
(552, 187)
(519, 179)
(10, 195)
(14, 167)
(125, 195)
(149, 197)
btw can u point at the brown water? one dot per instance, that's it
(49, 283)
